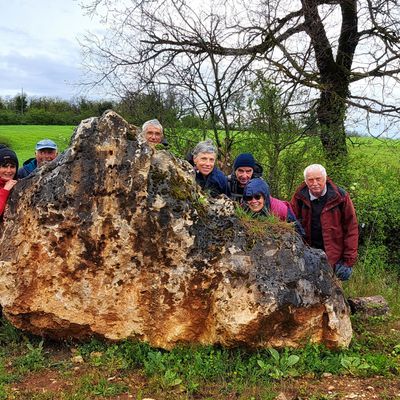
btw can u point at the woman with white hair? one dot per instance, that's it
(208, 176)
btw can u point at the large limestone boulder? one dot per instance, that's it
(114, 239)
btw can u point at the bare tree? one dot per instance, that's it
(334, 49)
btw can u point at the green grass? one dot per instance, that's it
(23, 138)
(109, 370)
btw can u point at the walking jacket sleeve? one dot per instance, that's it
(3, 199)
(350, 230)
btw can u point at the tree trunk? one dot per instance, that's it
(331, 114)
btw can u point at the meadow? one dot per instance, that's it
(33, 368)
(23, 138)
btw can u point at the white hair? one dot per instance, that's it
(152, 122)
(315, 167)
(204, 147)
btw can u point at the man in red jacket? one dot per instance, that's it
(328, 217)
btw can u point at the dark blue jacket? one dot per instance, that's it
(28, 167)
(215, 182)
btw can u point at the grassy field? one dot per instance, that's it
(376, 153)
(23, 138)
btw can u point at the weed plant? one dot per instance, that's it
(189, 368)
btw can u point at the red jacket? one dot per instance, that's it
(3, 196)
(338, 222)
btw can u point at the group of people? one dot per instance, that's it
(45, 151)
(322, 212)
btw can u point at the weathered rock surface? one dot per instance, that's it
(371, 306)
(114, 239)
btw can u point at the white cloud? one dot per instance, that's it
(39, 50)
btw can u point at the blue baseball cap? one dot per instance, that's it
(46, 144)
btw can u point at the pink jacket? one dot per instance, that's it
(279, 208)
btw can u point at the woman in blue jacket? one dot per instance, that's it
(208, 176)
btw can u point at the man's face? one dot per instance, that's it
(255, 202)
(243, 175)
(153, 134)
(7, 171)
(315, 182)
(205, 162)
(44, 156)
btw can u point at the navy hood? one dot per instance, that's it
(256, 186)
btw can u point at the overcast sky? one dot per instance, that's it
(39, 51)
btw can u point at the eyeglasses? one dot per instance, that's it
(256, 197)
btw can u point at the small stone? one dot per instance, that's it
(370, 388)
(77, 359)
(351, 396)
(330, 388)
(326, 375)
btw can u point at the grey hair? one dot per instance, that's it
(207, 146)
(315, 167)
(152, 122)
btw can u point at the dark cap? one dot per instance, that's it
(244, 160)
(7, 156)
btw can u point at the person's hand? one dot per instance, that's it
(343, 271)
(10, 184)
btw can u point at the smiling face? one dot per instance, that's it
(44, 156)
(243, 175)
(8, 171)
(255, 202)
(153, 134)
(315, 181)
(205, 162)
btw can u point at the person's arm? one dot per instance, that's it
(294, 206)
(297, 225)
(4, 193)
(350, 232)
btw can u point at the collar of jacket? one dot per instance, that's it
(332, 193)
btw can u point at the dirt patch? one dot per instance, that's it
(54, 383)
(341, 388)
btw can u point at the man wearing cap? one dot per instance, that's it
(245, 168)
(46, 151)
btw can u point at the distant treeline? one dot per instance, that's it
(134, 107)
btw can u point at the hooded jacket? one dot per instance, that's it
(27, 168)
(279, 208)
(338, 222)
